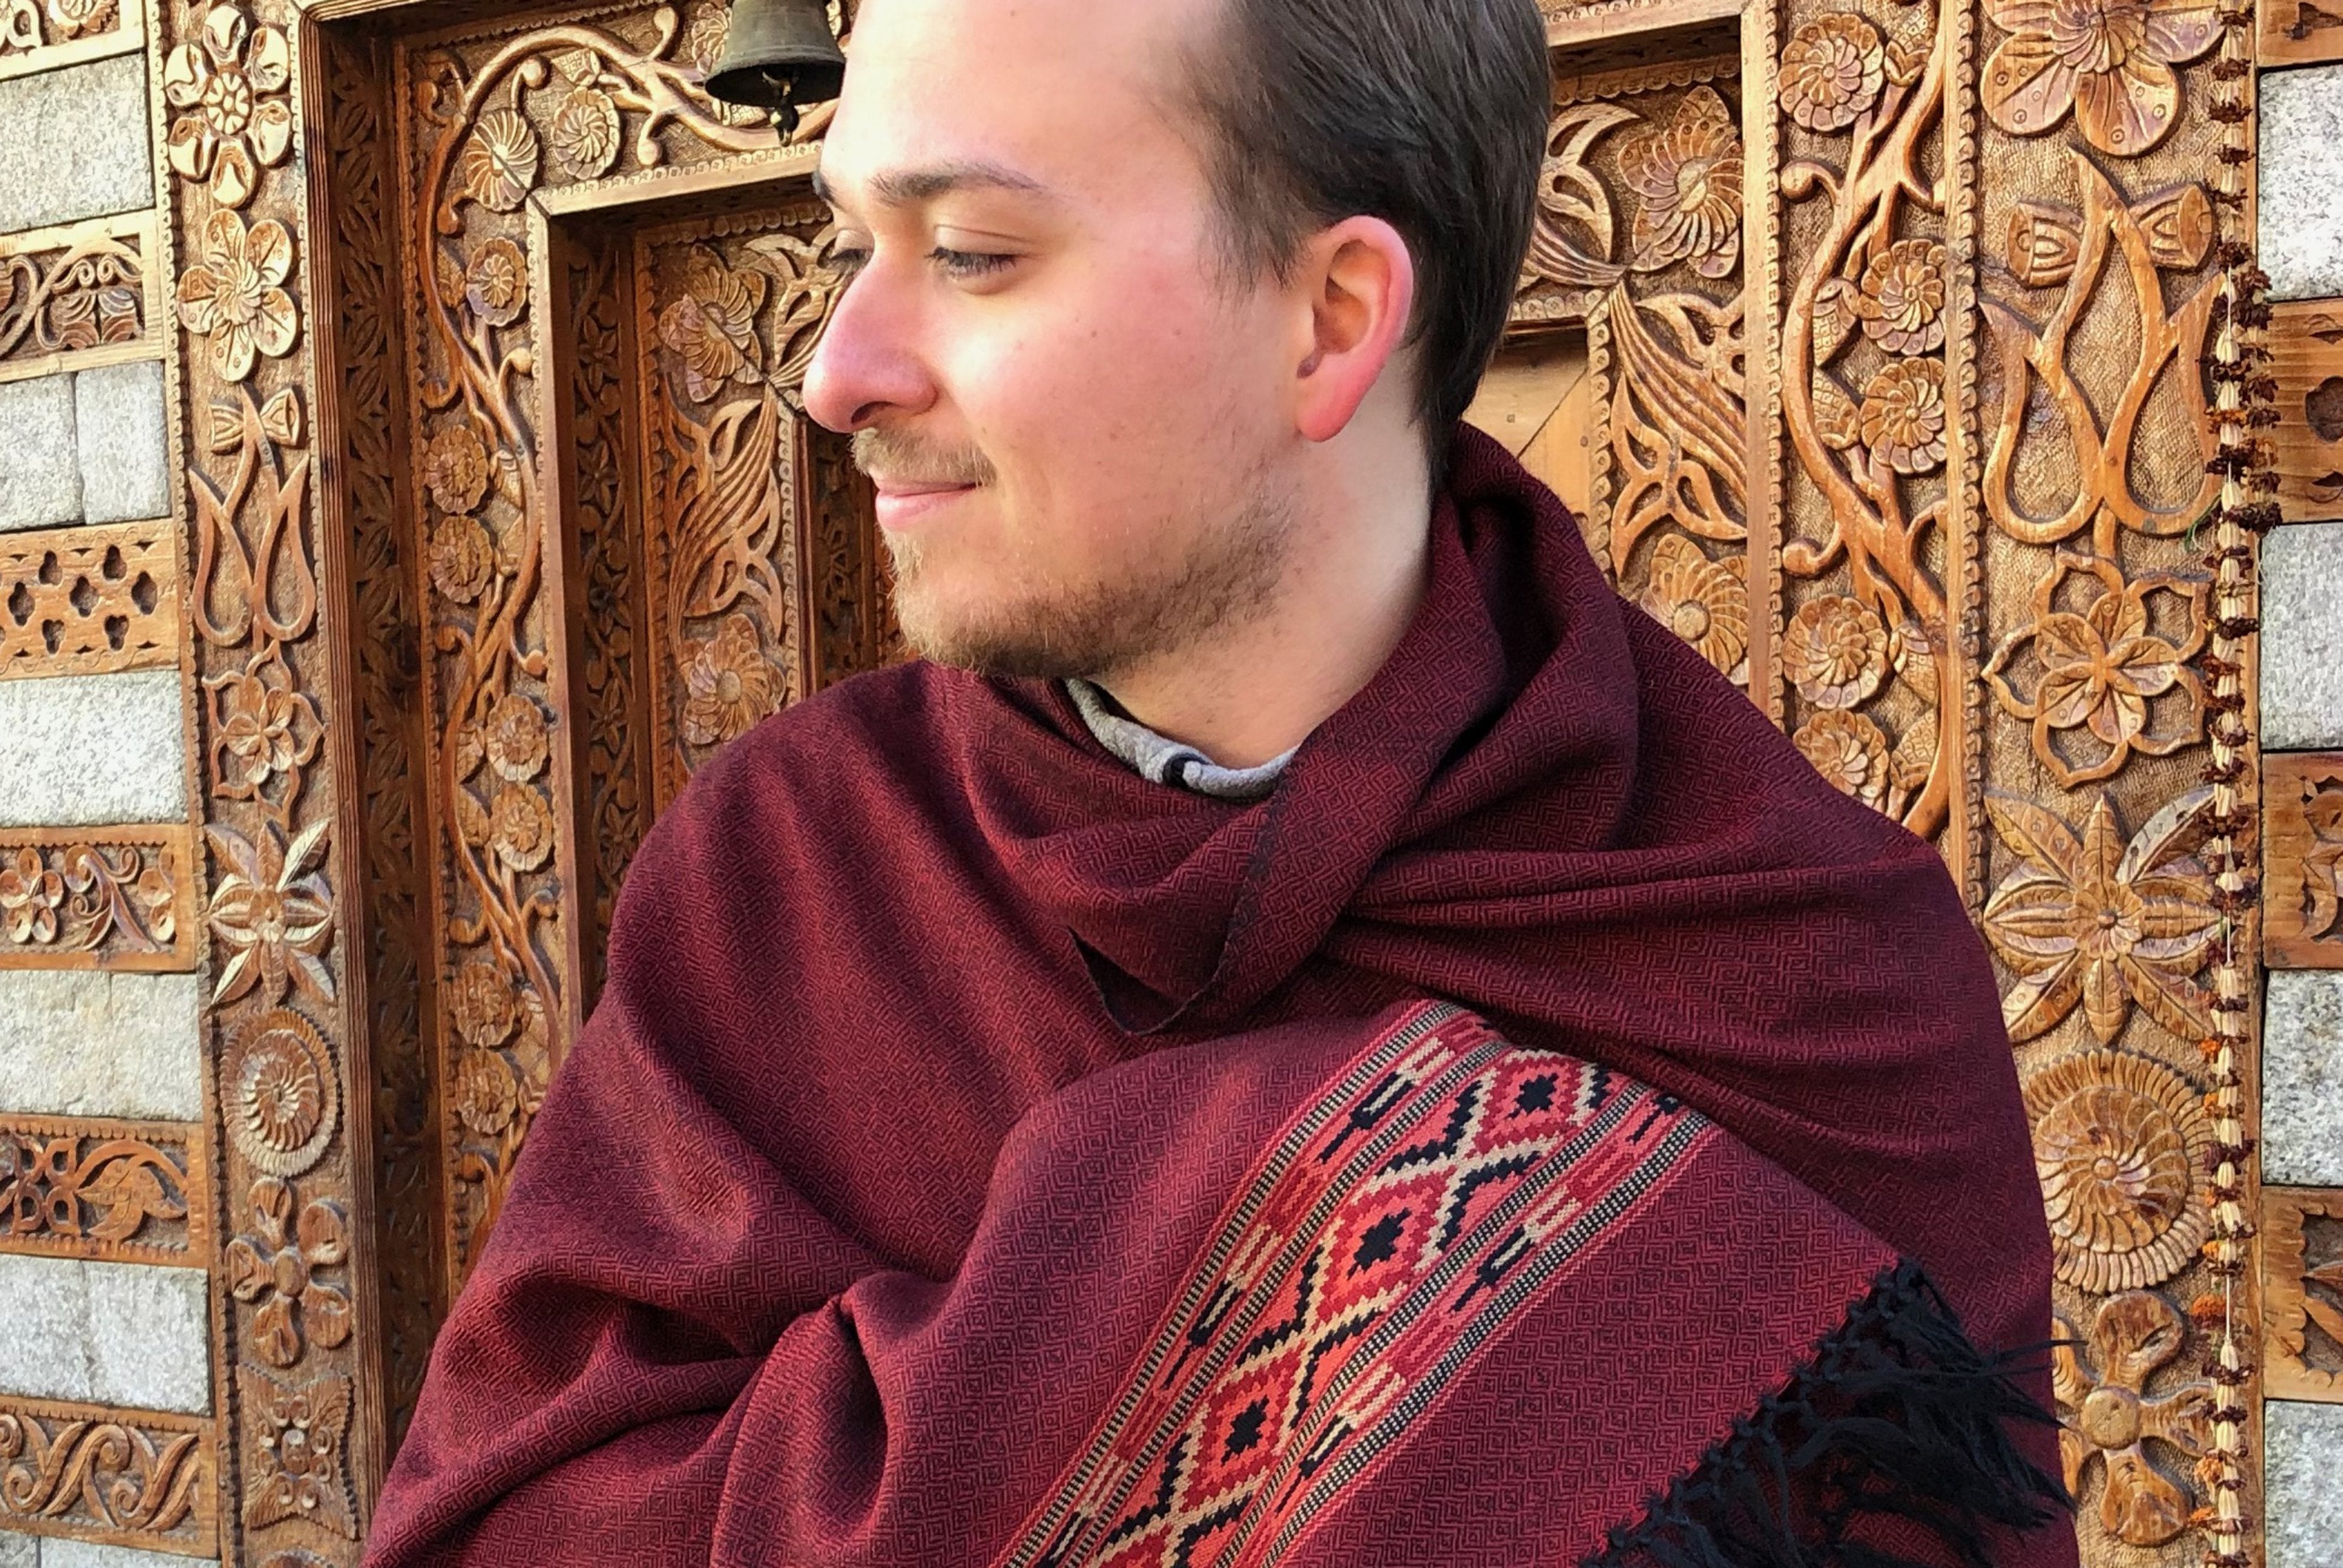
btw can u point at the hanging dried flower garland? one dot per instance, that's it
(2245, 410)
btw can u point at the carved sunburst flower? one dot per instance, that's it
(480, 1004)
(1835, 651)
(1831, 71)
(1902, 416)
(496, 284)
(486, 1098)
(2111, 1418)
(282, 1104)
(520, 829)
(237, 115)
(515, 737)
(455, 468)
(585, 134)
(1688, 174)
(1849, 750)
(1901, 302)
(2095, 921)
(499, 163)
(730, 683)
(1702, 601)
(463, 558)
(2110, 61)
(234, 296)
(2118, 1142)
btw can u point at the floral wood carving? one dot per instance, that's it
(2302, 1251)
(98, 898)
(2119, 1142)
(2092, 918)
(2109, 61)
(2109, 1420)
(89, 600)
(116, 1477)
(118, 1192)
(295, 1451)
(279, 1270)
(34, 32)
(2302, 888)
(233, 116)
(1639, 233)
(75, 296)
(1866, 677)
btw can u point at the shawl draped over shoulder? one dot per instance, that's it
(1555, 1126)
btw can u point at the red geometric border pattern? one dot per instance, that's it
(1389, 1231)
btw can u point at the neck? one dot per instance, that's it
(1352, 580)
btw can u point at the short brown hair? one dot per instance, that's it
(1431, 115)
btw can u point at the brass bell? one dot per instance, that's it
(781, 56)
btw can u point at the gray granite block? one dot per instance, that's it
(2302, 1078)
(86, 1042)
(122, 427)
(90, 748)
(74, 144)
(40, 486)
(2304, 1456)
(19, 1551)
(2300, 210)
(2302, 637)
(127, 1334)
(59, 1553)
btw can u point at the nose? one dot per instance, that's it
(866, 365)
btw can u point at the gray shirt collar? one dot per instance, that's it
(1167, 761)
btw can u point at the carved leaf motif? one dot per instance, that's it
(129, 1195)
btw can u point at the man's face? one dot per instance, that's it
(1074, 420)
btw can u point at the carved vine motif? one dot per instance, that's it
(1865, 404)
(1665, 345)
(497, 122)
(74, 289)
(144, 1479)
(88, 600)
(2303, 1253)
(728, 455)
(115, 899)
(2110, 1422)
(2119, 1142)
(118, 1192)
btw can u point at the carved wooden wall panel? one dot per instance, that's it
(2306, 357)
(101, 598)
(118, 1192)
(2302, 1251)
(98, 897)
(46, 35)
(76, 296)
(119, 1478)
(2302, 877)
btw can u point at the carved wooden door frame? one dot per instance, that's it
(337, 552)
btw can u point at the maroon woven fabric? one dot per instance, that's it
(922, 923)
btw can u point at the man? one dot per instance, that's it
(1034, 1115)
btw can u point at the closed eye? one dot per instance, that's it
(969, 264)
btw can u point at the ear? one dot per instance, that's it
(1361, 286)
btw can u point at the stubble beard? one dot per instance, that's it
(1225, 578)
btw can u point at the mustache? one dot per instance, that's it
(901, 455)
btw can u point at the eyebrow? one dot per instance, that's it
(908, 188)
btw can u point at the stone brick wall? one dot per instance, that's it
(2301, 240)
(98, 1034)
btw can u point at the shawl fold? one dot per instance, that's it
(940, 1054)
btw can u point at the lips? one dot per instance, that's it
(901, 502)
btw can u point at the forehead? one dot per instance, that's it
(1076, 95)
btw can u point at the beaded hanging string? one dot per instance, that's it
(2245, 409)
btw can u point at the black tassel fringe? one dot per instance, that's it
(1897, 1416)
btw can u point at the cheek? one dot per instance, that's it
(1115, 400)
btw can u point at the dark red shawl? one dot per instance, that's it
(854, 1226)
